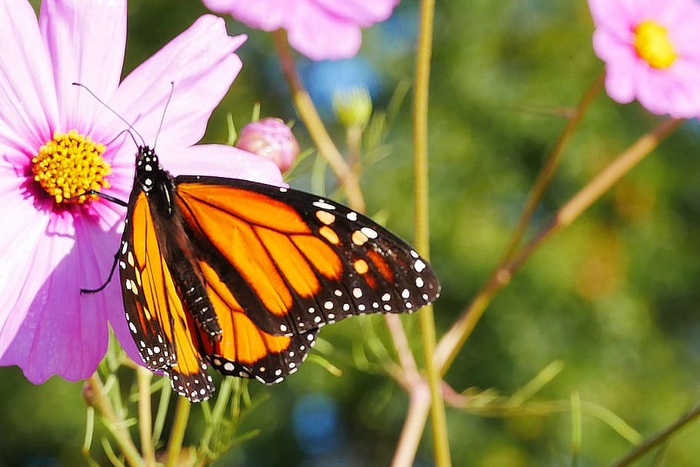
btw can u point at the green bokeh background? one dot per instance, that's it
(614, 297)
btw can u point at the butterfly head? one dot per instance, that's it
(148, 169)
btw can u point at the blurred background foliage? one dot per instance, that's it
(613, 298)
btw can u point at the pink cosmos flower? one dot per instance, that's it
(651, 53)
(56, 141)
(320, 29)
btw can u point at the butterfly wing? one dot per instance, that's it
(275, 265)
(294, 261)
(162, 329)
(245, 350)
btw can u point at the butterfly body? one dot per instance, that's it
(178, 252)
(241, 274)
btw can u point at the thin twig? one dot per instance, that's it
(550, 166)
(460, 331)
(144, 377)
(309, 115)
(412, 431)
(182, 414)
(117, 426)
(658, 438)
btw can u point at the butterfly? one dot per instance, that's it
(241, 275)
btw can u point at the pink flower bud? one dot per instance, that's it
(272, 139)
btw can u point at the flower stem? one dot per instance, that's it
(182, 414)
(545, 175)
(353, 139)
(117, 426)
(421, 97)
(658, 438)
(144, 377)
(416, 416)
(309, 115)
(453, 340)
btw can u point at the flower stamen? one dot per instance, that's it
(70, 165)
(653, 45)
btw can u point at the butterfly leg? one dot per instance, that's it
(109, 278)
(114, 200)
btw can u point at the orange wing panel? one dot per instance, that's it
(241, 341)
(250, 257)
(380, 263)
(320, 255)
(292, 264)
(254, 208)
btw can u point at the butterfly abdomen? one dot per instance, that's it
(191, 289)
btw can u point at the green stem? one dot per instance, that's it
(454, 339)
(353, 139)
(182, 414)
(309, 115)
(99, 400)
(421, 97)
(144, 377)
(658, 438)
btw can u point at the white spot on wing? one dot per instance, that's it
(322, 204)
(370, 233)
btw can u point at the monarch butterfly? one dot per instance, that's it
(241, 275)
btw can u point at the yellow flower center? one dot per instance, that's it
(70, 165)
(653, 45)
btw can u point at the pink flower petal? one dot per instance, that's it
(364, 13)
(610, 47)
(201, 63)
(320, 29)
(64, 332)
(613, 15)
(620, 80)
(222, 161)
(19, 240)
(309, 30)
(91, 54)
(267, 15)
(28, 107)
(39, 334)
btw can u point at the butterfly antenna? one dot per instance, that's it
(143, 142)
(162, 118)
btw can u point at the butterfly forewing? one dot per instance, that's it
(296, 261)
(157, 319)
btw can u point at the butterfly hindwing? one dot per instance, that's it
(296, 261)
(244, 349)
